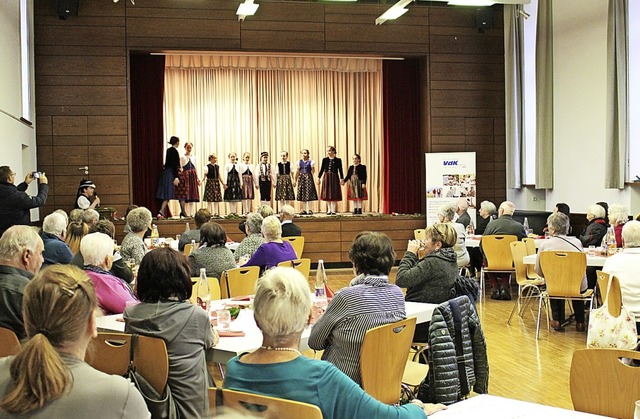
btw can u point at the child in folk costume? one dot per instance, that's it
(264, 179)
(188, 190)
(357, 190)
(233, 187)
(331, 173)
(304, 179)
(284, 186)
(212, 191)
(247, 171)
(170, 177)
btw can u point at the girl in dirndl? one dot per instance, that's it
(284, 186)
(331, 173)
(212, 191)
(170, 177)
(246, 169)
(357, 178)
(304, 179)
(233, 188)
(189, 188)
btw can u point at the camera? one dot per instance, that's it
(36, 175)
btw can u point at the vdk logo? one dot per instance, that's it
(450, 162)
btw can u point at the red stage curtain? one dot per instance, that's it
(147, 127)
(403, 156)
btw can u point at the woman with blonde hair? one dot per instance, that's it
(48, 377)
(76, 230)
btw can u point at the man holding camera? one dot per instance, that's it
(14, 201)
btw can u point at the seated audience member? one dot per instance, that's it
(118, 268)
(287, 213)
(504, 224)
(558, 228)
(446, 214)
(282, 306)
(369, 301)
(461, 208)
(112, 292)
(133, 246)
(604, 206)
(90, 217)
(76, 215)
(164, 287)
(254, 239)
(212, 253)
(54, 230)
(202, 216)
(563, 208)
(626, 266)
(486, 212)
(618, 215)
(48, 378)
(274, 250)
(430, 279)
(264, 210)
(20, 258)
(76, 230)
(64, 214)
(596, 228)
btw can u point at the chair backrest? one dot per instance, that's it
(110, 354)
(601, 384)
(298, 244)
(497, 251)
(603, 282)
(268, 407)
(214, 288)
(9, 342)
(239, 281)
(563, 272)
(614, 297)
(383, 357)
(518, 252)
(301, 265)
(188, 248)
(420, 234)
(531, 250)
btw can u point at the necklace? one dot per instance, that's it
(271, 348)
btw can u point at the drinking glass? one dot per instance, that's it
(636, 414)
(592, 250)
(224, 319)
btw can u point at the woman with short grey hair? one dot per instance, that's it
(446, 214)
(133, 247)
(282, 306)
(254, 238)
(274, 250)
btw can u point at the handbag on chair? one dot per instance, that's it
(609, 331)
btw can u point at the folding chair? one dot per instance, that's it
(498, 254)
(527, 287)
(9, 342)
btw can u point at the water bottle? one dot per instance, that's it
(193, 245)
(471, 229)
(526, 225)
(187, 228)
(203, 294)
(320, 300)
(155, 236)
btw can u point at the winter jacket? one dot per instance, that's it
(593, 234)
(444, 382)
(430, 279)
(15, 203)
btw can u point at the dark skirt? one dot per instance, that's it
(233, 193)
(306, 188)
(247, 187)
(284, 189)
(355, 191)
(265, 190)
(331, 190)
(212, 191)
(188, 189)
(165, 189)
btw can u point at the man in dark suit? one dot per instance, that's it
(286, 218)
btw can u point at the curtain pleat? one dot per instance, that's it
(514, 98)
(544, 96)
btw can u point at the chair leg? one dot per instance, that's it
(539, 312)
(221, 370)
(513, 310)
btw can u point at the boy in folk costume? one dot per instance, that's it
(264, 179)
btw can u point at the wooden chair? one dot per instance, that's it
(563, 273)
(531, 250)
(527, 287)
(110, 354)
(498, 254)
(214, 288)
(298, 244)
(188, 248)
(301, 265)
(9, 343)
(420, 234)
(260, 406)
(383, 359)
(603, 282)
(603, 385)
(239, 281)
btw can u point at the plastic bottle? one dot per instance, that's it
(193, 245)
(526, 225)
(612, 244)
(320, 300)
(203, 294)
(155, 236)
(471, 229)
(187, 228)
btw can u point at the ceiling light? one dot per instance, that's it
(248, 8)
(394, 12)
(479, 3)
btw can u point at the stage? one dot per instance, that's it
(326, 237)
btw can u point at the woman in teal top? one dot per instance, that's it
(282, 306)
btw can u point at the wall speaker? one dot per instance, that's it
(66, 8)
(484, 18)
